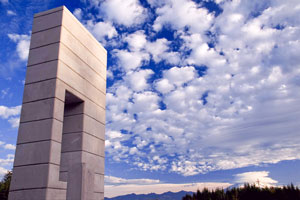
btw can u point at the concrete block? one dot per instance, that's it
(82, 52)
(99, 196)
(80, 182)
(63, 176)
(86, 38)
(49, 11)
(43, 54)
(71, 142)
(37, 153)
(40, 90)
(46, 37)
(94, 127)
(68, 159)
(92, 144)
(57, 194)
(41, 72)
(99, 183)
(96, 162)
(38, 194)
(52, 108)
(73, 123)
(53, 180)
(32, 194)
(49, 129)
(29, 177)
(94, 111)
(47, 20)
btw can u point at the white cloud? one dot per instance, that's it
(3, 171)
(131, 60)
(7, 161)
(4, 93)
(126, 13)
(7, 112)
(183, 13)
(9, 146)
(136, 41)
(159, 50)
(138, 79)
(14, 122)
(179, 76)
(112, 180)
(11, 13)
(78, 13)
(164, 86)
(4, 163)
(101, 30)
(259, 178)
(11, 114)
(4, 1)
(23, 42)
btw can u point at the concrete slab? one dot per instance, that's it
(32, 194)
(94, 127)
(82, 52)
(52, 108)
(45, 37)
(29, 177)
(83, 35)
(71, 142)
(99, 183)
(49, 129)
(37, 153)
(41, 72)
(47, 20)
(43, 54)
(40, 90)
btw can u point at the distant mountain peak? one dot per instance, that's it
(152, 196)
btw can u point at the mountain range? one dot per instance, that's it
(152, 196)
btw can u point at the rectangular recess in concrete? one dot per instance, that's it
(71, 141)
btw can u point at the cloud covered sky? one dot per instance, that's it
(197, 91)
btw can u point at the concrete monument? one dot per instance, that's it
(60, 146)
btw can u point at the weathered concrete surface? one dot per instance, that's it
(60, 146)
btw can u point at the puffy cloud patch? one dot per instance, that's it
(259, 178)
(183, 13)
(101, 30)
(125, 13)
(112, 180)
(23, 42)
(11, 114)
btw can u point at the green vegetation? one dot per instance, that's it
(4, 186)
(248, 192)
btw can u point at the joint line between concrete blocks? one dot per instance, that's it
(38, 141)
(45, 45)
(40, 120)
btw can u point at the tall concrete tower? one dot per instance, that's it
(60, 146)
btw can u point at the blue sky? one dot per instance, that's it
(199, 93)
